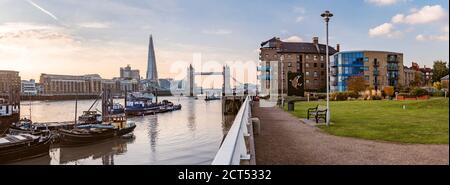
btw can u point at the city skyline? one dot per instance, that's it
(73, 37)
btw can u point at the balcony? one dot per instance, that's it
(376, 73)
(392, 68)
(264, 68)
(392, 59)
(376, 64)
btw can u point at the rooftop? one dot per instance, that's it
(297, 47)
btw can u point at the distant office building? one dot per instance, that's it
(165, 83)
(307, 58)
(71, 85)
(128, 73)
(378, 68)
(10, 86)
(28, 88)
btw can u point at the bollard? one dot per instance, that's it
(290, 106)
(256, 126)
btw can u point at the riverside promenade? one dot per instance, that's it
(286, 140)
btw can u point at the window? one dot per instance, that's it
(267, 55)
(288, 56)
(321, 58)
(307, 81)
(315, 73)
(315, 64)
(275, 56)
(289, 64)
(306, 65)
(366, 78)
(321, 65)
(315, 57)
(307, 56)
(307, 73)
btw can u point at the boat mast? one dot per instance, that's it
(76, 107)
(30, 107)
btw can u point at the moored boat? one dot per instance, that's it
(14, 147)
(92, 133)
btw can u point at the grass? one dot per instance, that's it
(423, 121)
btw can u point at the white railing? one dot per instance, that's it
(234, 147)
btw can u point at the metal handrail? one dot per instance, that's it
(233, 148)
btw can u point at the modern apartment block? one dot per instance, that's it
(304, 57)
(378, 68)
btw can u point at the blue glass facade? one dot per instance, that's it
(348, 64)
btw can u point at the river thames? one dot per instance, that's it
(189, 136)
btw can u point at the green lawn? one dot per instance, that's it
(423, 121)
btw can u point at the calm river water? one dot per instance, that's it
(189, 136)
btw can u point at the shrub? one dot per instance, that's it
(439, 94)
(376, 97)
(404, 94)
(389, 90)
(353, 94)
(419, 92)
(321, 96)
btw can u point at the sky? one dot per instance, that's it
(100, 36)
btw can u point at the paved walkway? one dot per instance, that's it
(286, 140)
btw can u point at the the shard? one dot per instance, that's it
(152, 74)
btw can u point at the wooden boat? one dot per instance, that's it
(26, 126)
(88, 134)
(23, 146)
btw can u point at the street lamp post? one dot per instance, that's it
(282, 81)
(327, 15)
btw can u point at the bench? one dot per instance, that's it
(318, 112)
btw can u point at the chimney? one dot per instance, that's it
(316, 40)
(338, 47)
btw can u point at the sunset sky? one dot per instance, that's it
(100, 36)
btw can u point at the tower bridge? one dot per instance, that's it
(190, 79)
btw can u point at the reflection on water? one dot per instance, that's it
(189, 136)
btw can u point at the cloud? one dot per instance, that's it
(425, 15)
(299, 9)
(25, 33)
(94, 25)
(299, 19)
(42, 9)
(442, 37)
(384, 30)
(383, 2)
(217, 32)
(421, 37)
(398, 18)
(293, 39)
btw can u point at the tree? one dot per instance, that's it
(389, 90)
(440, 70)
(356, 84)
(437, 85)
(417, 80)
